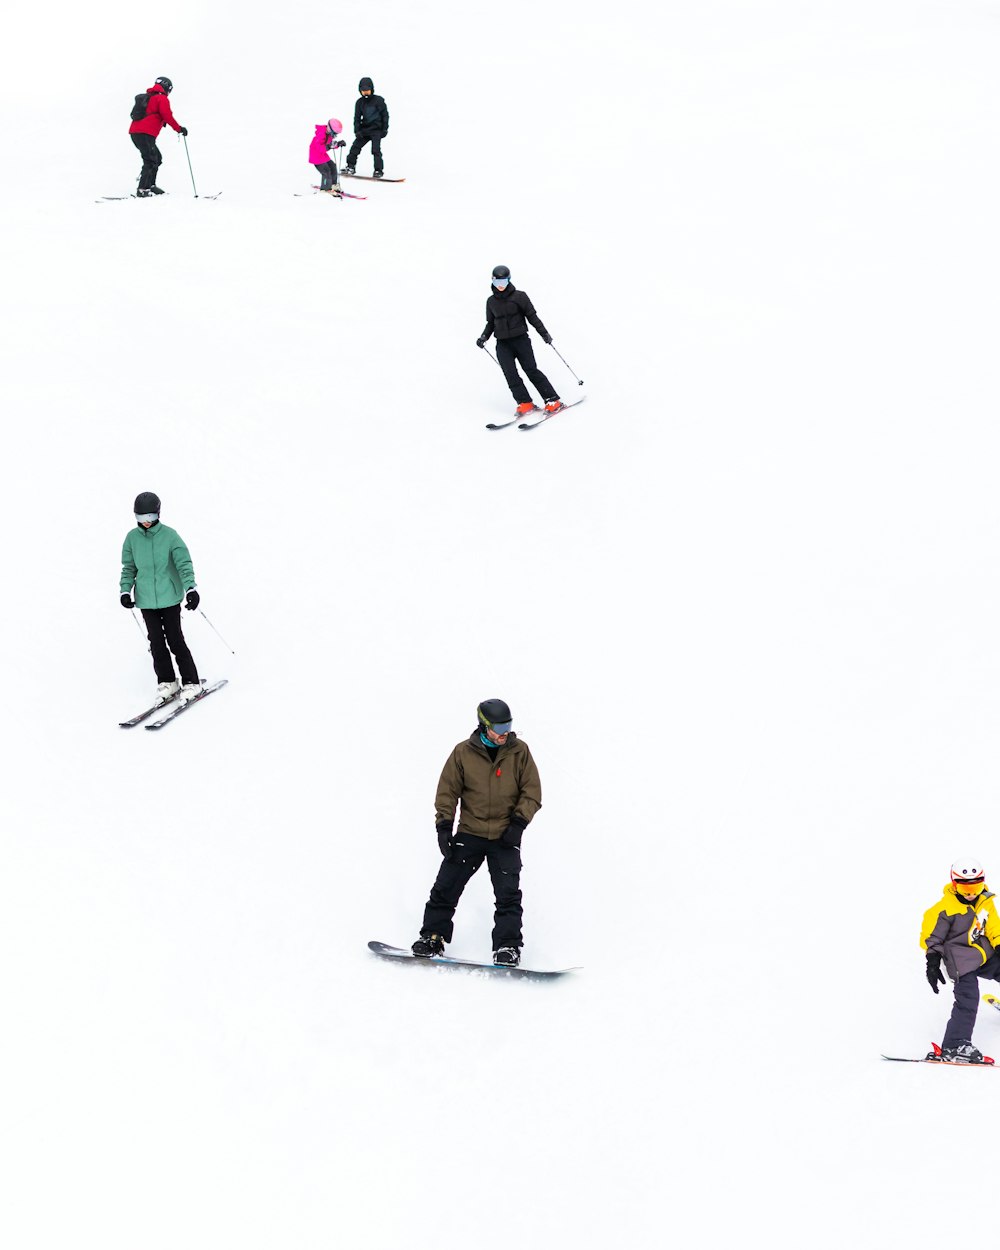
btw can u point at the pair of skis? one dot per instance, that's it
(935, 1056)
(133, 196)
(533, 425)
(345, 194)
(177, 711)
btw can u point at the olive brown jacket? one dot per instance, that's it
(488, 793)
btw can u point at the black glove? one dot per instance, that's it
(183, 131)
(127, 602)
(192, 600)
(480, 342)
(935, 976)
(444, 839)
(511, 836)
(548, 339)
(341, 143)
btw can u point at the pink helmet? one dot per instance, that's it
(335, 125)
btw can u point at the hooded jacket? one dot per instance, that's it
(319, 149)
(964, 934)
(371, 117)
(488, 791)
(157, 112)
(508, 313)
(158, 564)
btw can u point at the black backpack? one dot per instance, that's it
(140, 106)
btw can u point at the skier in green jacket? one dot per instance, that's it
(157, 564)
(491, 782)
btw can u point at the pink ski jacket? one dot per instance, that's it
(318, 149)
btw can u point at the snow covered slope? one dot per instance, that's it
(742, 603)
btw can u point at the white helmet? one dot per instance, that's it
(967, 871)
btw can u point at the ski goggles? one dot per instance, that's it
(500, 283)
(143, 517)
(501, 728)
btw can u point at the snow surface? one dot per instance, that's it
(743, 603)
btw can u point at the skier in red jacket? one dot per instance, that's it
(145, 129)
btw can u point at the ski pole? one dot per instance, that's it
(221, 639)
(190, 170)
(492, 357)
(563, 359)
(149, 646)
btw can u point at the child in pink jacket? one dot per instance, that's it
(324, 139)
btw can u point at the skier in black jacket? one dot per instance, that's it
(508, 312)
(371, 122)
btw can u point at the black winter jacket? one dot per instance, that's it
(508, 313)
(371, 117)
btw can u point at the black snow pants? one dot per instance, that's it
(463, 861)
(359, 143)
(509, 352)
(151, 160)
(328, 175)
(163, 628)
(963, 1013)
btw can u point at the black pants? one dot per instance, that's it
(509, 352)
(359, 143)
(466, 858)
(328, 175)
(963, 1013)
(151, 160)
(163, 628)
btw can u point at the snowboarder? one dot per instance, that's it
(146, 127)
(963, 930)
(156, 562)
(323, 140)
(492, 779)
(371, 124)
(508, 312)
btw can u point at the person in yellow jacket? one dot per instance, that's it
(963, 931)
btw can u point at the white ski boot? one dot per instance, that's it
(191, 690)
(165, 691)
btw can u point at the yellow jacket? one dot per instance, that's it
(965, 934)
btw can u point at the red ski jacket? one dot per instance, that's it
(157, 113)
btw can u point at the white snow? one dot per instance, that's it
(743, 603)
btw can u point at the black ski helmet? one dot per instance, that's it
(146, 503)
(166, 84)
(502, 273)
(494, 714)
(366, 84)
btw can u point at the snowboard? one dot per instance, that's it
(446, 961)
(368, 177)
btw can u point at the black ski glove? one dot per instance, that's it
(192, 600)
(548, 340)
(444, 839)
(511, 836)
(183, 131)
(480, 342)
(935, 976)
(127, 602)
(341, 143)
